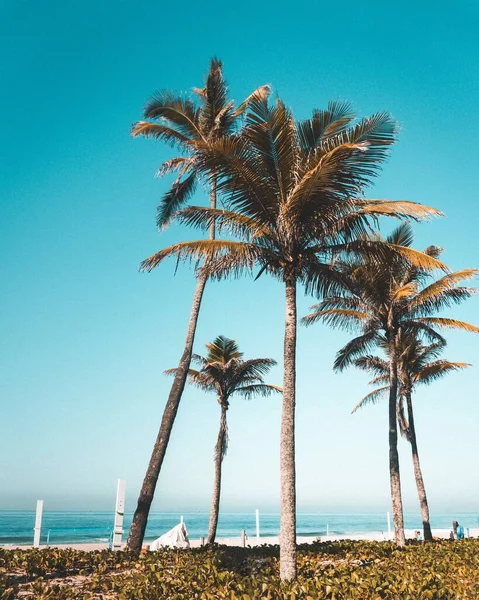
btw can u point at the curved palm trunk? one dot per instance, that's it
(219, 454)
(140, 518)
(287, 534)
(394, 476)
(421, 490)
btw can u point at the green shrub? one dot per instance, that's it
(345, 570)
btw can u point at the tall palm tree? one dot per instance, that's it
(293, 192)
(384, 299)
(417, 364)
(181, 122)
(225, 373)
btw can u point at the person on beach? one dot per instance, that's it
(454, 530)
(458, 531)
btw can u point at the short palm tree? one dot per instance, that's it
(224, 372)
(384, 299)
(417, 364)
(293, 193)
(182, 122)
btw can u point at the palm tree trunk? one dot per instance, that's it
(394, 476)
(421, 490)
(287, 534)
(219, 453)
(140, 518)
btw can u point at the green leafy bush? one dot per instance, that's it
(344, 570)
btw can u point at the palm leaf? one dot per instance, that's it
(355, 348)
(448, 323)
(257, 389)
(211, 251)
(373, 364)
(161, 132)
(260, 94)
(371, 398)
(179, 193)
(177, 110)
(436, 370)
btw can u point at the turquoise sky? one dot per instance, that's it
(84, 338)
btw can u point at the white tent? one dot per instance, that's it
(175, 538)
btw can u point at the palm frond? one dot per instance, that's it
(443, 292)
(437, 370)
(257, 389)
(173, 165)
(237, 224)
(321, 278)
(423, 330)
(373, 364)
(371, 398)
(380, 379)
(355, 348)
(378, 131)
(222, 350)
(177, 110)
(448, 323)
(339, 318)
(418, 258)
(215, 97)
(400, 209)
(197, 378)
(179, 193)
(242, 181)
(161, 132)
(408, 290)
(254, 369)
(259, 95)
(211, 251)
(402, 235)
(324, 124)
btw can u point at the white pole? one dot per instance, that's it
(257, 525)
(38, 524)
(119, 514)
(181, 519)
(389, 525)
(243, 538)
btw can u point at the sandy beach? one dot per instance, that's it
(253, 541)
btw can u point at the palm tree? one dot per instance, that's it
(417, 364)
(384, 299)
(293, 192)
(181, 122)
(224, 372)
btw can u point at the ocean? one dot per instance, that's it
(16, 527)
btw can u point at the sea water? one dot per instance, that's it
(16, 527)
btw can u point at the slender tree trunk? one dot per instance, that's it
(421, 490)
(394, 476)
(287, 534)
(140, 518)
(219, 453)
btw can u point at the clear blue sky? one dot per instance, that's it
(84, 338)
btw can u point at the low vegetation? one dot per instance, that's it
(347, 570)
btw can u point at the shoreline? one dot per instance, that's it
(251, 541)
